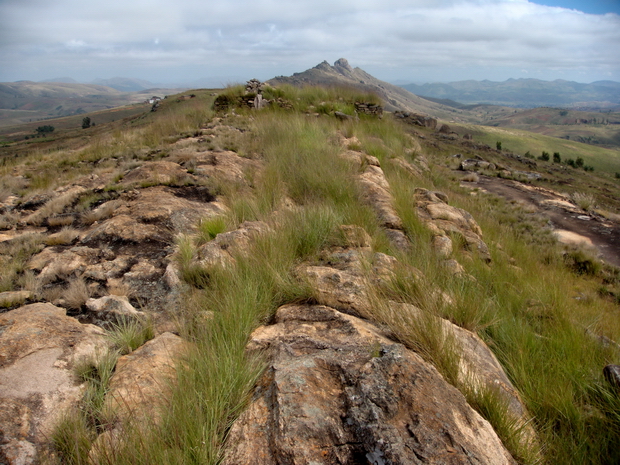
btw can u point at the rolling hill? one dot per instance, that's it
(27, 101)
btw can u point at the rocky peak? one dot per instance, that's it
(343, 66)
(323, 66)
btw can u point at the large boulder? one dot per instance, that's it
(39, 346)
(337, 391)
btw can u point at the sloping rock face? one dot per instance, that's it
(338, 391)
(39, 345)
(138, 390)
(345, 281)
(143, 378)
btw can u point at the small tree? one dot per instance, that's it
(556, 157)
(579, 162)
(85, 122)
(544, 156)
(498, 144)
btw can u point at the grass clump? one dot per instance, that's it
(208, 228)
(128, 334)
(583, 200)
(14, 256)
(76, 294)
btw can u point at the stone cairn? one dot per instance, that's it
(252, 98)
(369, 109)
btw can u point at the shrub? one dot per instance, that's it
(498, 145)
(581, 261)
(544, 156)
(556, 157)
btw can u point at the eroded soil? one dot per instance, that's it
(563, 215)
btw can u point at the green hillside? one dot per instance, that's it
(548, 313)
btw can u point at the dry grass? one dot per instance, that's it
(76, 294)
(53, 207)
(470, 177)
(8, 220)
(117, 287)
(64, 220)
(103, 212)
(584, 201)
(65, 236)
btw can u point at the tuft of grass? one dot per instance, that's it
(14, 256)
(64, 220)
(76, 294)
(208, 228)
(72, 439)
(584, 201)
(96, 372)
(494, 407)
(64, 237)
(582, 261)
(127, 335)
(103, 212)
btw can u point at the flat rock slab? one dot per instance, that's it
(338, 391)
(39, 345)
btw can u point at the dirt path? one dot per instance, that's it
(603, 234)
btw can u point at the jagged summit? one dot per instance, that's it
(342, 73)
(342, 65)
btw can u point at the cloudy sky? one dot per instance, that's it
(418, 41)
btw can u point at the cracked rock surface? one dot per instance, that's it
(338, 391)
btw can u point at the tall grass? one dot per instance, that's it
(523, 305)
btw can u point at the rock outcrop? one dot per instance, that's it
(339, 391)
(39, 346)
(445, 220)
(375, 192)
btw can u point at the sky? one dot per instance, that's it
(225, 41)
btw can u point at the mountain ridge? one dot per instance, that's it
(342, 73)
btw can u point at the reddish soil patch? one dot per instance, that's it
(604, 234)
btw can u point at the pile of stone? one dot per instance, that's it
(369, 109)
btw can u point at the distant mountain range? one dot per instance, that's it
(526, 93)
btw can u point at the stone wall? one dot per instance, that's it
(369, 109)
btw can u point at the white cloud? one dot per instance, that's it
(405, 38)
